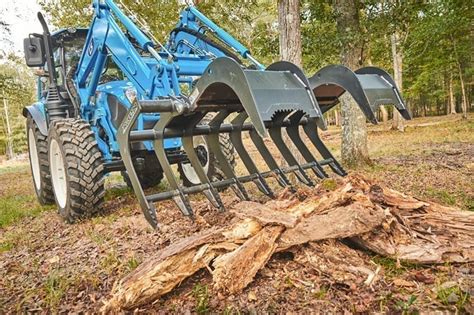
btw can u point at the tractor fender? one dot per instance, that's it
(38, 116)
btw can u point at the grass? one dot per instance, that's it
(6, 246)
(329, 184)
(14, 169)
(55, 286)
(321, 293)
(15, 208)
(132, 263)
(405, 306)
(452, 296)
(391, 267)
(116, 192)
(201, 295)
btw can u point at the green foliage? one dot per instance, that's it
(405, 306)
(201, 294)
(17, 87)
(14, 208)
(56, 286)
(452, 295)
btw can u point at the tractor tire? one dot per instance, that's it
(150, 176)
(77, 170)
(214, 172)
(39, 164)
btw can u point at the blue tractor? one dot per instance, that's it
(113, 98)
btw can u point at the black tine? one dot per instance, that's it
(214, 146)
(294, 134)
(188, 145)
(275, 134)
(181, 200)
(123, 138)
(269, 160)
(236, 139)
(311, 130)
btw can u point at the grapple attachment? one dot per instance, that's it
(370, 87)
(255, 101)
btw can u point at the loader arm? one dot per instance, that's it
(150, 74)
(190, 35)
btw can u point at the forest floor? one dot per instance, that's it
(48, 265)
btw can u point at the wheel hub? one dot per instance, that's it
(58, 173)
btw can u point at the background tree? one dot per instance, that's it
(290, 31)
(436, 39)
(16, 82)
(354, 149)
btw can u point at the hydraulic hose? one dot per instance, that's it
(208, 40)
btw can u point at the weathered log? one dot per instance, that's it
(420, 232)
(378, 218)
(235, 270)
(145, 286)
(264, 214)
(341, 222)
(165, 270)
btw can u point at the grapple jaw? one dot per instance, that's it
(262, 103)
(261, 94)
(370, 87)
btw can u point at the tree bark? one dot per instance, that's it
(354, 149)
(397, 55)
(337, 120)
(10, 152)
(290, 31)
(384, 114)
(452, 100)
(461, 79)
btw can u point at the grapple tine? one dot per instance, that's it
(236, 139)
(180, 199)
(282, 180)
(123, 138)
(311, 130)
(294, 134)
(275, 134)
(214, 146)
(188, 144)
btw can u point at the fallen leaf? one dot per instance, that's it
(403, 283)
(252, 296)
(53, 260)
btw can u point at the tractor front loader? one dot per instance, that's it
(113, 98)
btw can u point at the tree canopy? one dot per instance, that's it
(436, 38)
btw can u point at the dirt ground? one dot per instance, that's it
(47, 265)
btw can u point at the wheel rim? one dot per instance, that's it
(34, 159)
(58, 173)
(202, 150)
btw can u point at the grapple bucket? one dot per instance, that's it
(370, 87)
(262, 103)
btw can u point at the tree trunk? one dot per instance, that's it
(397, 122)
(354, 149)
(452, 100)
(463, 92)
(290, 31)
(290, 47)
(384, 114)
(461, 79)
(10, 153)
(337, 120)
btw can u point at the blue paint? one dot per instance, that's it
(148, 77)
